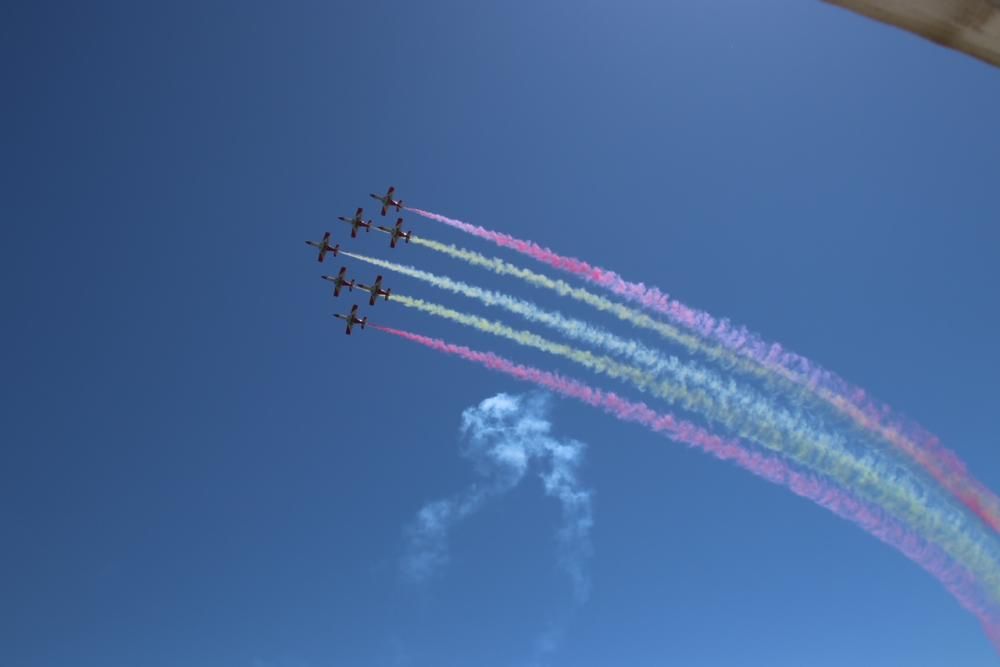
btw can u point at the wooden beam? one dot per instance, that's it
(970, 26)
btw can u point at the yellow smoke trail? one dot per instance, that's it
(813, 449)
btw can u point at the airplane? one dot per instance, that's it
(352, 319)
(376, 290)
(395, 232)
(388, 202)
(324, 247)
(340, 281)
(356, 222)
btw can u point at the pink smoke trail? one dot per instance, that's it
(954, 577)
(924, 448)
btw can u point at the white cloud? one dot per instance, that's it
(504, 437)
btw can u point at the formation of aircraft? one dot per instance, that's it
(340, 280)
(324, 247)
(356, 222)
(375, 290)
(395, 233)
(352, 319)
(387, 201)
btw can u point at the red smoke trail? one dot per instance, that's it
(954, 577)
(924, 448)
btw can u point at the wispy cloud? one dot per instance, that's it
(506, 437)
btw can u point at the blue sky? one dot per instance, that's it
(200, 469)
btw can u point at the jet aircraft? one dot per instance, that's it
(395, 233)
(375, 290)
(324, 247)
(352, 319)
(356, 222)
(340, 281)
(388, 202)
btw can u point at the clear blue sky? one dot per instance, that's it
(200, 470)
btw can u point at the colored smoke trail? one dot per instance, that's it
(923, 448)
(956, 579)
(724, 398)
(738, 339)
(600, 303)
(729, 395)
(573, 328)
(807, 447)
(594, 362)
(685, 373)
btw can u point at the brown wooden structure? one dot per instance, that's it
(970, 26)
